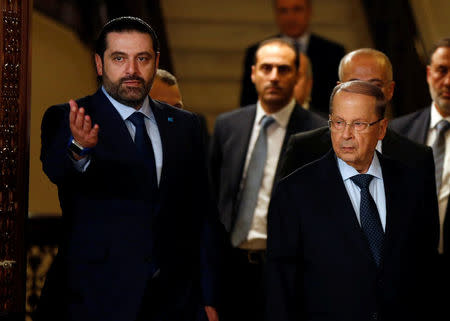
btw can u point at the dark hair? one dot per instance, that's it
(444, 42)
(362, 88)
(166, 77)
(280, 41)
(122, 24)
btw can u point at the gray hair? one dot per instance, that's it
(362, 88)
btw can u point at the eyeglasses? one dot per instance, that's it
(359, 126)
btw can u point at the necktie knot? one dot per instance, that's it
(362, 180)
(137, 119)
(442, 126)
(266, 121)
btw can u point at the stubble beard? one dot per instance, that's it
(129, 96)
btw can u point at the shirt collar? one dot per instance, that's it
(348, 171)
(436, 117)
(281, 117)
(126, 111)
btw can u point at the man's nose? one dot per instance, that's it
(348, 131)
(274, 73)
(132, 67)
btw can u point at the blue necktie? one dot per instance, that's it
(252, 185)
(439, 150)
(144, 145)
(369, 217)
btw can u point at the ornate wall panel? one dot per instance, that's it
(14, 153)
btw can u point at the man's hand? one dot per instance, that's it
(211, 313)
(81, 127)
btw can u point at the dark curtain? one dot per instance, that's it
(86, 18)
(394, 32)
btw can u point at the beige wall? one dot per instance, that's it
(62, 69)
(432, 17)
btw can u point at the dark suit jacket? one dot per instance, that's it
(319, 263)
(415, 126)
(229, 149)
(325, 56)
(126, 249)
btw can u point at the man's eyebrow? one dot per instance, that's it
(125, 54)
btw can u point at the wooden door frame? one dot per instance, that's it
(15, 62)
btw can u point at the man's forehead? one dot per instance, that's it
(352, 98)
(365, 69)
(275, 53)
(441, 56)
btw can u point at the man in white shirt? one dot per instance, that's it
(246, 146)
(352, 236)
(293, 19)
(431, 126)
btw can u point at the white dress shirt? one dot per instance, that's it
(152, 131)
(444, 192)
(257, 236)
(376, 187)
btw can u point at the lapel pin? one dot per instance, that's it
(170, 119)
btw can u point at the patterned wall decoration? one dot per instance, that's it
(13, 152)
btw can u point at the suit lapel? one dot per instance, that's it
(297, 123)
(240, 139)
(393, 193)
(113, 130)
(341, 210)
(389, 146)
(423, 126)
(161, 117)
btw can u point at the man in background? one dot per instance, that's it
(303, 88)
(431, 126)
(165, 88)
(293, 20)
(246, 146)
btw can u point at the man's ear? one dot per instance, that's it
(157, 61)
(253, 73)
(98, 65)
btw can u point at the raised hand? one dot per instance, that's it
(81, 126)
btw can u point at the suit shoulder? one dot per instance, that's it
(310, 135)
(314, 119)
(327, 44)
(236, 114)
(409, 144)
(304, 174)
(400, 123)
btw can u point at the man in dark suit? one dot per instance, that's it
(293, 18)
(431, 126)
(351, 236)
(133, 191)
(373, 66)
(165, 88)
(245, 149)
